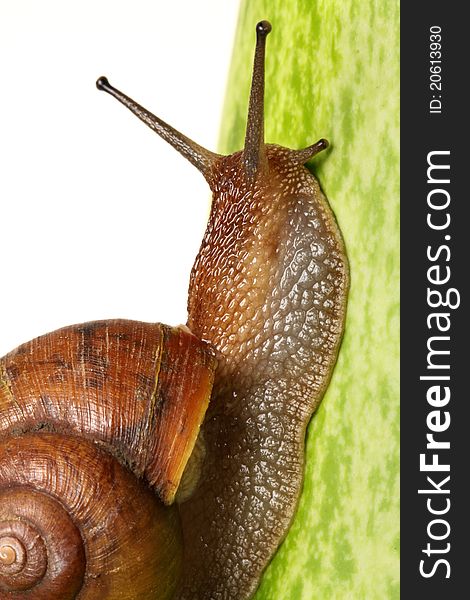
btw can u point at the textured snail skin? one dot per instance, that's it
(268, 290)
(91, 416)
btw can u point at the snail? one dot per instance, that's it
(159, 462)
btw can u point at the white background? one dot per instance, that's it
(99, 218)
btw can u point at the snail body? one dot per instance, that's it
(266, 310)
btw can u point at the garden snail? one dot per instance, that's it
(89, 404)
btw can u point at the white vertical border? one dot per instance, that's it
(100, 218)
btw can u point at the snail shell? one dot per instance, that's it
(91, 418)
(73, 519)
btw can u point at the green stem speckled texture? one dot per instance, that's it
(332, 70)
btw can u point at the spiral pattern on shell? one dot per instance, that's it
(72, 519)
(97, 423)
(37, 533)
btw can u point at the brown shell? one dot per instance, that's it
(141, 390)
(90, 415)
(74, 523)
